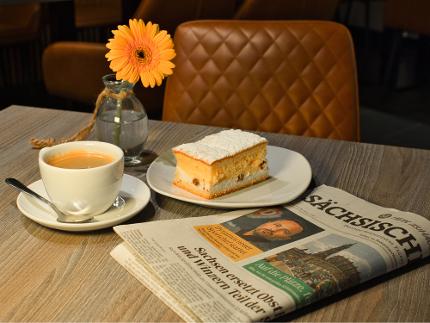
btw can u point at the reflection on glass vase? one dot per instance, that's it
(121, 119)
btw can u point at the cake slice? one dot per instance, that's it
(221, 163)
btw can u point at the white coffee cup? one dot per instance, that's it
(84, 191)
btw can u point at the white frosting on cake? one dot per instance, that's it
(220, 145)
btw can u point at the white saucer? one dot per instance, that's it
(134, 192)
(290, 175)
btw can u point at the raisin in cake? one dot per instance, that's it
(221, 163)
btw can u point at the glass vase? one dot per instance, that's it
(121, 119)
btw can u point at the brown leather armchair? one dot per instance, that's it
(73, 70)
(296, 77)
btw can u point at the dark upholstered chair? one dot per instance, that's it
(90, 13)
(19, 22)
(287, 9)
(399, 17)
(296, 77)
(409, 15)
(73, 70)
(20, 37)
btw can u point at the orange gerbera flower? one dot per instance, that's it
(141, 51)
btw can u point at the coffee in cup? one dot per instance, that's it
(82, 177)
(78, 159)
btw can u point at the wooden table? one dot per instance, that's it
(50, 275)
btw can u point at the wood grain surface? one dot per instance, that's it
(51, 275)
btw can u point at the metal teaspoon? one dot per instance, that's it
(62, 217)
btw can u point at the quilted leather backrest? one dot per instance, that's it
(295, 77)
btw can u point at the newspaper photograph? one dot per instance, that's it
(256, 265)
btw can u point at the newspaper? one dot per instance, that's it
(256, 265)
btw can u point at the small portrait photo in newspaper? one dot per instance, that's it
(267, 229)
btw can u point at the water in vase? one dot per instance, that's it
(128, 132)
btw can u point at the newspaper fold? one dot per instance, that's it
(255, 265)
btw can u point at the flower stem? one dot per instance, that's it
(117, 123)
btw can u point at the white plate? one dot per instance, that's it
(134, 192)
(290, 175)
